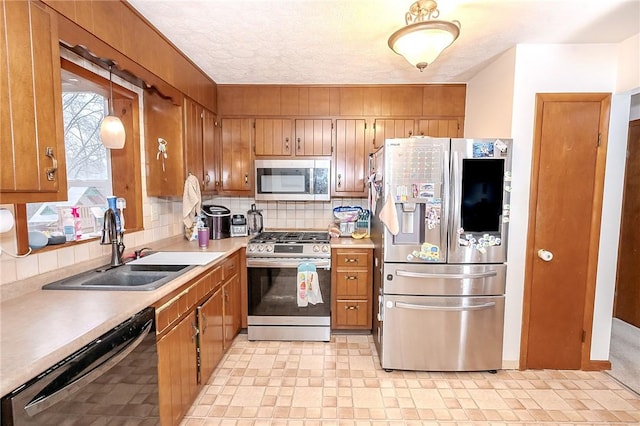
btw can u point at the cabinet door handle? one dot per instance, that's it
(51, 172)
(351, 307)
(246, 178)
(350, 260)
(207, 179)
(339, 180)
(205, 323)
(298, 144)
(195, 332)
(350, 277)
(286, 144)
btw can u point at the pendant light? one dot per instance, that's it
(112, 131)
(424, 38)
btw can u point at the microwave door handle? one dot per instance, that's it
(472, 276)
(444, 308)
(311, 181)
(60, 391)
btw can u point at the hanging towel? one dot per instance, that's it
(191, 202)
(308, 286)
(389, 216)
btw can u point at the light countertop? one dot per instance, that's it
(42, 327)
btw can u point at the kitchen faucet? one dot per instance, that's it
(111, 235)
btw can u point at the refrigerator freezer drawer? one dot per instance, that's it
(444, 280)
(442, 333)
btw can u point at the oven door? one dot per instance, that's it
(273, 311)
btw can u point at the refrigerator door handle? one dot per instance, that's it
(473, 276)
(444, 308)
(444, 228)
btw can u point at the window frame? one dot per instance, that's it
(126, 165)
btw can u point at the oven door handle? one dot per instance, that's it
(473, 276)
(73, 381)
(444, 308)
(292, 263)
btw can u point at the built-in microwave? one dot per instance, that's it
(293, 180)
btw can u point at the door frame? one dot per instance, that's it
(596, 216)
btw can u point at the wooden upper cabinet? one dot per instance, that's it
(237, 159)
(163, 122)
(444, 100)
(441, 128)
(401, 101)
(390, 129)
(350, 158)
(210, 152)
(32, 131)
(273, 137)
(193, 147)
(313, 137)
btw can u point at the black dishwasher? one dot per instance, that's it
(112, 380)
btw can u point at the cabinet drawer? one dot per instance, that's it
(230, 267)
(352, 258)
(352, 283)
(352, 313)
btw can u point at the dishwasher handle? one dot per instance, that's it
(444, 308)
(81, 373)
(472, 275)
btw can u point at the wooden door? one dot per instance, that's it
(627, 299)
(237, 161)
(210, 152)
(440, 128)
(351, 159)
(163, 120)
(564, 219)
(389, 129)
(193, 116)
(31, 135)
(313, 137)
(273, 137)
(211, 335)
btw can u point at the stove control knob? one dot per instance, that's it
(261, 248)
(325, 249)
(251, 247)
(269, 249)
(316, 248)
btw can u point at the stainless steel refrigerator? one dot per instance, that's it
(440, 231)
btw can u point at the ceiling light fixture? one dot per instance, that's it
(425, 37)
(112, 131)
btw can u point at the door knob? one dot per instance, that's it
(545, 255)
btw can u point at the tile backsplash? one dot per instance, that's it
(162, 219)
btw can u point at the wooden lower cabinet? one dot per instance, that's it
(195, 325)
(210, 321)
(177, 370)
(351, 289)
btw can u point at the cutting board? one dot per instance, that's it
(178, 258)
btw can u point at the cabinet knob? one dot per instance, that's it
(350, 260)
(350, 277)
(351, 307)
(51, 171)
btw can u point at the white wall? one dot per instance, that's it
(537, 69)
(489, 103)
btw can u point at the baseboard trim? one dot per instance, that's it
(597, 365)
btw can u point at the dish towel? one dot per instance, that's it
(191, 203)
(389, 216)
(308, 286)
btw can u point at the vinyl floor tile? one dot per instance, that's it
(341, 383)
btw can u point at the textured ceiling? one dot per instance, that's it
(345, 41)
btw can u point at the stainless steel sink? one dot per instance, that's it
(125, 277)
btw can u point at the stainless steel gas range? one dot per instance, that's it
(289, 286)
